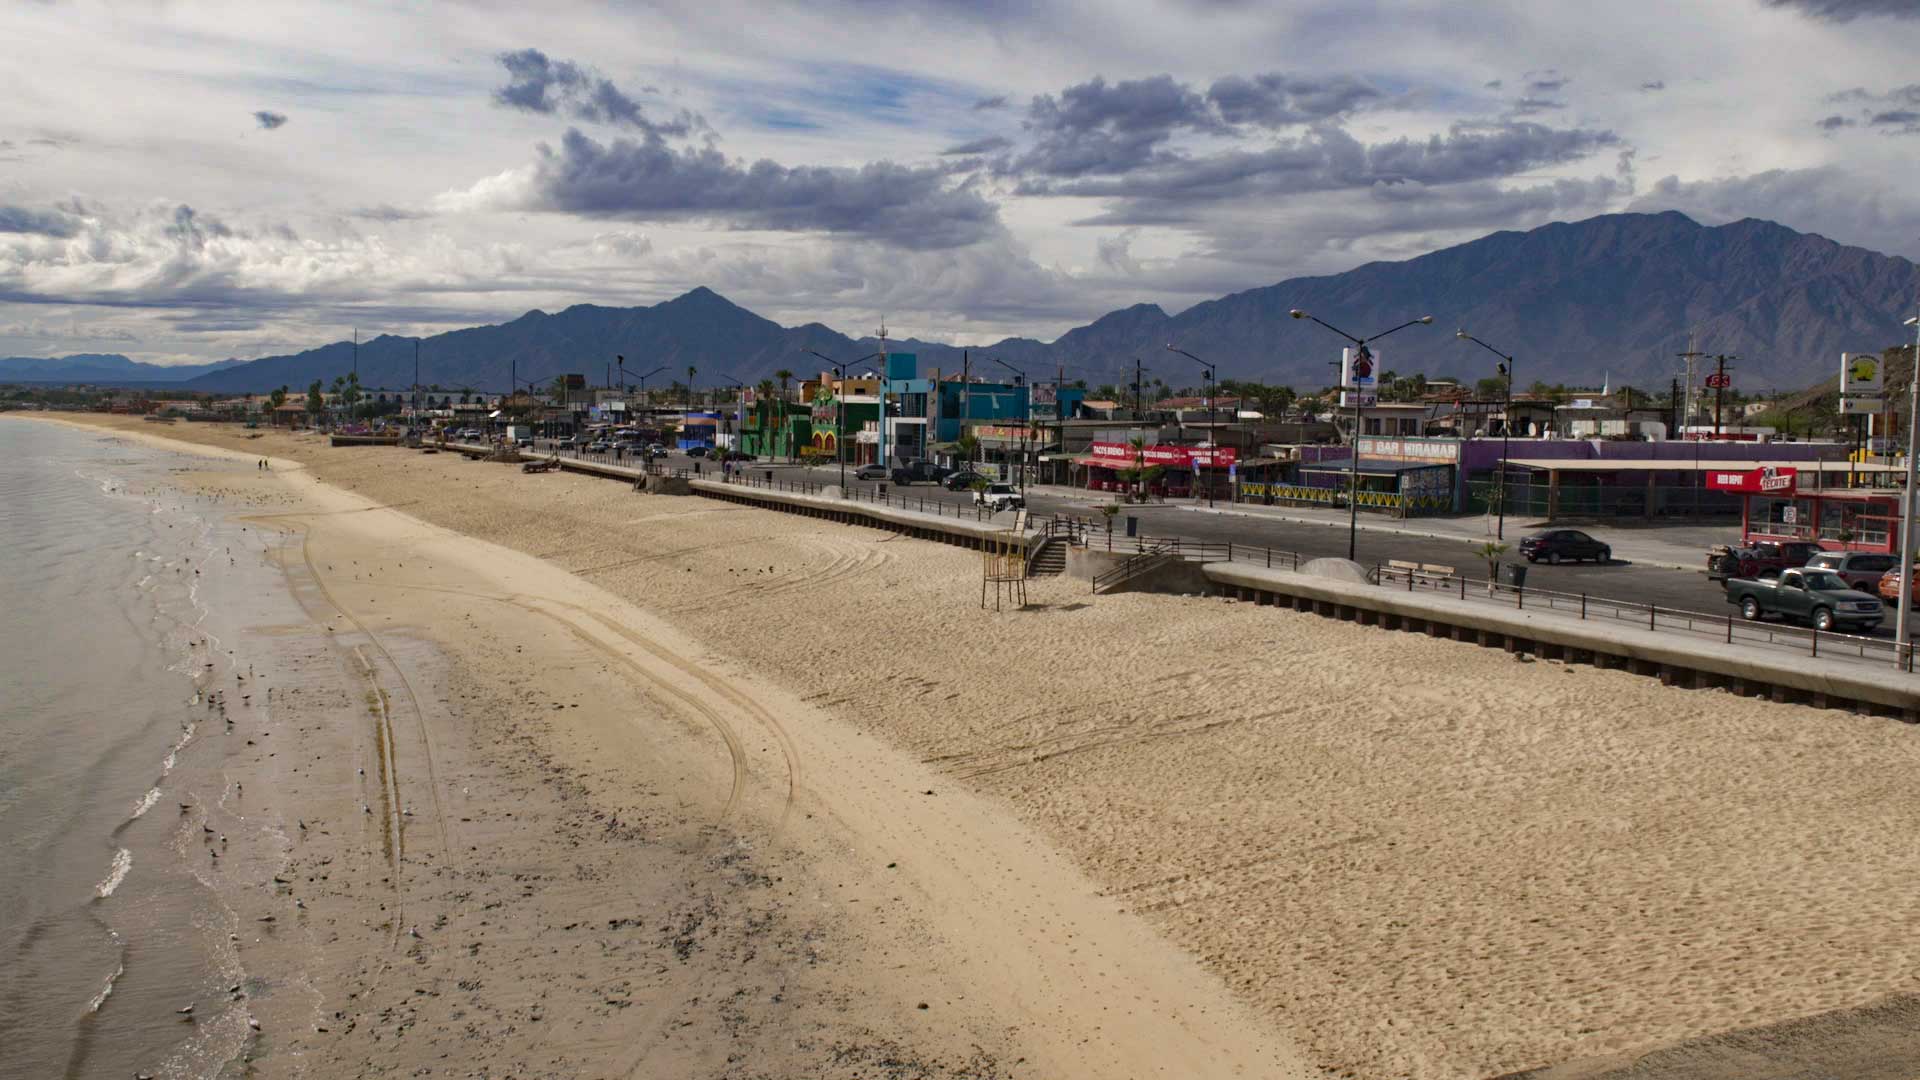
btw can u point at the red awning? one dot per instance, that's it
(1103, 462)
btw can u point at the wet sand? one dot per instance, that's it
(1409, 857)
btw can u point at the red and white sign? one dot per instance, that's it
(1767, 480)
(1719, 381)
(1181, 457)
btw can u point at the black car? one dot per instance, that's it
(1563, 545)
(963, 480)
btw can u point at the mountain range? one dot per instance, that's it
(1612, 297)
(101, 368)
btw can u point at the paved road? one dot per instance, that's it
(1619, 580)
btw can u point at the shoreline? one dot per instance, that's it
(889, 875)
(1405, 857)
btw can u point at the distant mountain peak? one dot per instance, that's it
(1617, 292)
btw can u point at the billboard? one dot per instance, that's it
(575, 381)
(1860, 373)
(1359, 369)
(1768, 480)
(1046, 393)
(902, 366)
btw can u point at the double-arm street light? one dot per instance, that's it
(1213, 438)
(1353, 472)
(1026, 418)
(1506, 428)
(741, 409)
(840, 409)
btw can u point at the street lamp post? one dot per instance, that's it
(1353, 472)
(1026, 411)
(741, 408)
(840, 407)
(1213, 440)
(622, 361)
(1506, 428)
(1903, 634)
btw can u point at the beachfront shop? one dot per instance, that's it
(1385, 485)
(1005, 448)
(1168, 471)
(1773, 506)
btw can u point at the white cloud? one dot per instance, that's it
(402, 196)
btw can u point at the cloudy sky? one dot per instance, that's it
(193, 181)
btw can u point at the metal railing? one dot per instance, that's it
(1727, 628)
(1131, 566)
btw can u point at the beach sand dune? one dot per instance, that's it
(1413, 857)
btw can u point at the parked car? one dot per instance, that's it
(1804, 595)
(1889, 587)
(696, 451)
(998, 497)
(1561, 545)
(919, 471)
(962, 480)
(872, 470)
(1859, 569)
(1756, 559)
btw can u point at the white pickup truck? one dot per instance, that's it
(998, 497)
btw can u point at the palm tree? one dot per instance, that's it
(785, 377)
(691, 371)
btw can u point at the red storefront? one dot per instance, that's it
(1180, 466)
(1844, 519)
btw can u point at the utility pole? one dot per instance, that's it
(416, 380)
(1686, 415)
(1903, 633)
(356, 354)
(1719, 389)
(1674, 407)
(1138, 405)
(966, 395)
(880, 455)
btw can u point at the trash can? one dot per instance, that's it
(1517, 575)
(769, 473)
(1133, 525)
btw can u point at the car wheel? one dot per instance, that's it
(1822, 619)
(1750, 609)
(1533, 558)
(1606, 556)
(1553, 558)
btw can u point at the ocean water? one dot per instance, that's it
(111, 912)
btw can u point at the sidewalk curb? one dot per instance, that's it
(1420, 533)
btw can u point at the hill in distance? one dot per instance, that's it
(1612, 296)
(100, 368)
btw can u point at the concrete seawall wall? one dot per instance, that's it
(973, 534)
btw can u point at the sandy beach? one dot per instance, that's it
(665, 786)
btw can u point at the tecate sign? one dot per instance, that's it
(1766, 480)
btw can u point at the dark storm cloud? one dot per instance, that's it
(1846, 10)
(387, 212)
(1834, 122)
(1529, 106)
(985, 145)
(1546, 82)
(645, 180)
(269, 120)
(1656, 84)
(1097, 127)
(19, 219)
(998, 101)
(538, 84)
(1276, 100)
(1328, 159)
(1896, 122)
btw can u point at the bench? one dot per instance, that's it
(1420, 573)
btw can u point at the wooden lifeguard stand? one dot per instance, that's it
(1003, 565)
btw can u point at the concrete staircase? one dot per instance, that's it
(1048, 558)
